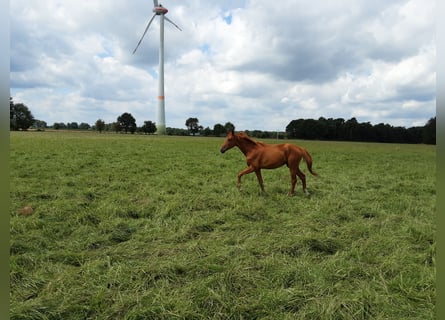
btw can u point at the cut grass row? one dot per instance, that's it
(136, 227)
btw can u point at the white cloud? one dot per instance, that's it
(249, 62)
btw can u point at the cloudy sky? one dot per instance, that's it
(255, 63)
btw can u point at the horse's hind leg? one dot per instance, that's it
(302, 176)
(293, 181)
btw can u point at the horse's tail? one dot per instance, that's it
(308, 159)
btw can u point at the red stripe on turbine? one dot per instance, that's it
(161, 97)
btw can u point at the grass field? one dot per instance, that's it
(106, 226)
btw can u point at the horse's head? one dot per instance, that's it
(229, 143)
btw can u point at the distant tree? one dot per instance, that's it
(176, 131)
(207, 132)
(109, 126)
(20, 117)
(339, 128)
(229, 126)
(414, 135)
(100, 125)
(218, 130)
(72, 125)
(310, 129)
(382, 132)
(294, 129)
(84, 126)
(397, 134)
(127, 122)
(351, 130)
(149, 127)
(193, 125)
(59, 125)
(367, 132)
(429, 132)
(39, 125)
(116, 126)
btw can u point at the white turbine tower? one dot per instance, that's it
(160, 11)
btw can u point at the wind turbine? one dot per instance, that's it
(160, 11)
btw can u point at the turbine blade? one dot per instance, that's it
(148, 25)
(155, 3)
(172, 22)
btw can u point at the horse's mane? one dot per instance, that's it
(245, 137)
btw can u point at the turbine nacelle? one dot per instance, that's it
(160, 10)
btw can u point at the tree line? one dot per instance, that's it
(330, 129)
(21, 118)
(352, 130)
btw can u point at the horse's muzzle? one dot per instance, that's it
(223, 150)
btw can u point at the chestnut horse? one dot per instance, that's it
(269, 156)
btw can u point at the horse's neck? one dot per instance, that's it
(246, 145)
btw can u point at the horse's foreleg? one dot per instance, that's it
(260, 179)
(242, 173)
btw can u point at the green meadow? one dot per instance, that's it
(115, 226)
